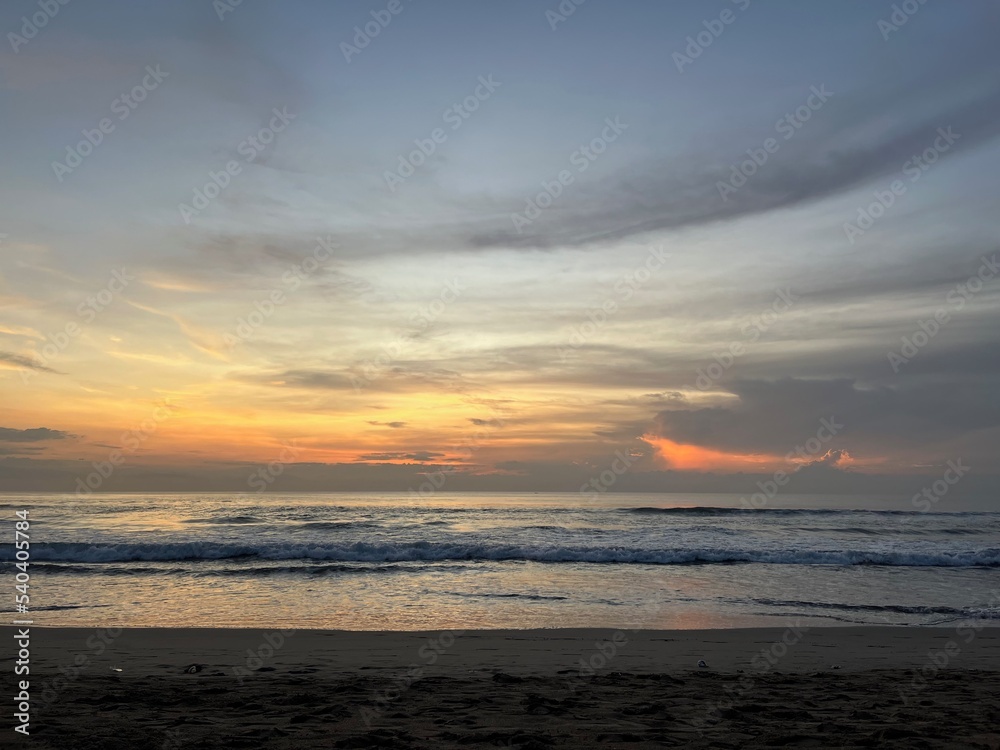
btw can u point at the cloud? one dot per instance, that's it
(484, 422)
(832, 458)
(20, 330)
(300, 378)
(419, 456)
(27, 474)
(33, 435)
(16, 361)
(816, 164)
(393, 425)
(774, 416)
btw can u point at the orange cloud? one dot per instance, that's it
(698, 458)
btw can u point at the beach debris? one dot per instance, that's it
(702, 664)
(193, 668)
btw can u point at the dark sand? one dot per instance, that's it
(895, 687)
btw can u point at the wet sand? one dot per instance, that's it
(762, 687)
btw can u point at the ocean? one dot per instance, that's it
(392, 562)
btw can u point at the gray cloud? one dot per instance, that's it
(25, 362)
(484, 422)
(773, 416)
(815, 165)
(309, 379)
(29, 474)
(418, 456)
(32, 435)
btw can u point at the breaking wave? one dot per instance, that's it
(437, 552)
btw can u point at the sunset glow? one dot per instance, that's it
(698, 458)
(553, 278)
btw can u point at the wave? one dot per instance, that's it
(713, 511)
(309, 569)
(226, 520)
(334, 525)
(439, 552)
(530, 597)
(111, 569)
(985, 613)
(976, 530)
(78, 569)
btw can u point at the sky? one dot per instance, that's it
(416, 246)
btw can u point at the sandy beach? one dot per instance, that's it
(765, 687)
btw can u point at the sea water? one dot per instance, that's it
(395, 562)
